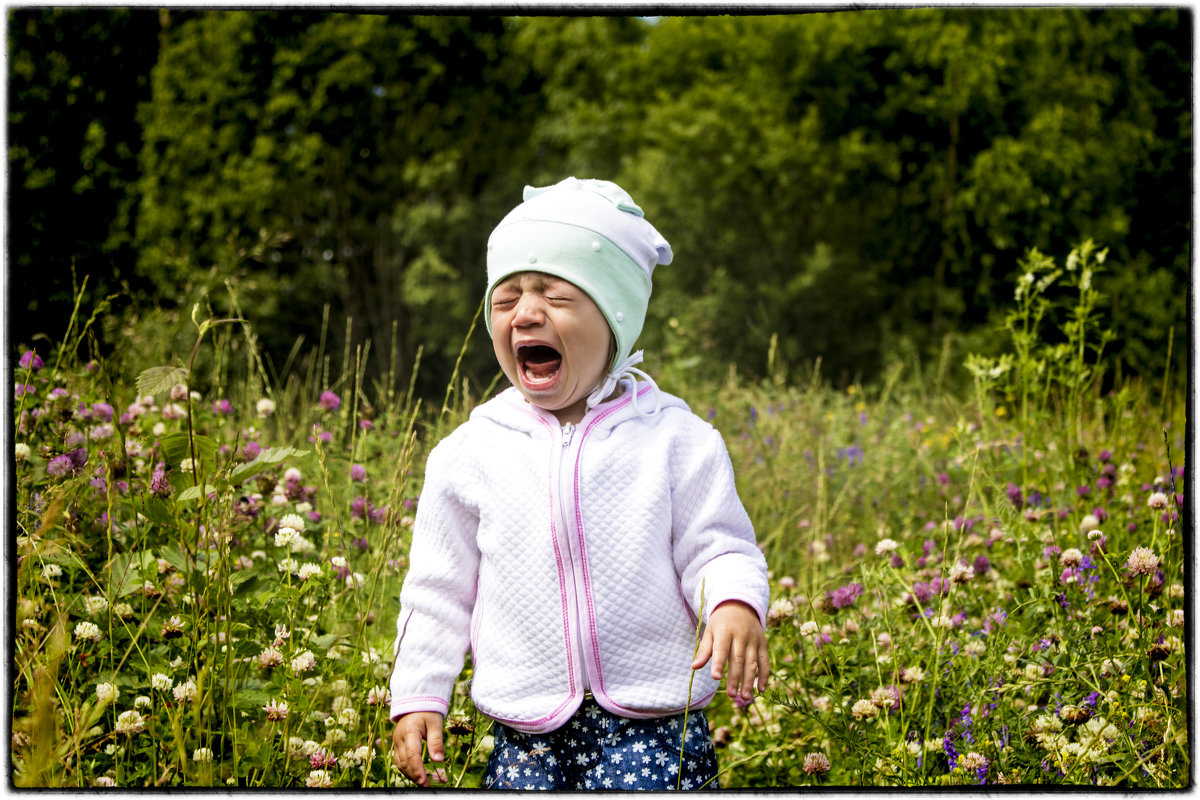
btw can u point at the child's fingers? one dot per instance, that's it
(434, 738)
(764, 667)
(415, 769)
(704, 652)
(720, 654)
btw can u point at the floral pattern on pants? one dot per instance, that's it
(600, 750)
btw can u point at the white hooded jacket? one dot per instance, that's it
(559, 553)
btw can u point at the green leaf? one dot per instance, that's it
(175, 448)
(251, 698)
(160, 379)
(159, 512)
(127, 569)
(268, 457)
(195, 492)
(175, 557)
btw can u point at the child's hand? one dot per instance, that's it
(411, 730)
(734, 633)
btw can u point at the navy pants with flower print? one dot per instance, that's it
(600, 750)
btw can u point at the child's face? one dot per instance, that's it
(551, 340)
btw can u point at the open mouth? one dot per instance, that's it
(538, 365)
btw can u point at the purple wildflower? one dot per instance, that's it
(78, 458)
(59, 467)
(358, 472)
(329, 401)
(30, 360)
(844, 596)
(222, 406)
(358, 507)
(981, 565)
(159, 485)
(995, 620)
(103, 411)
(251, 450)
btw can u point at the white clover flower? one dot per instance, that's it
(961, 573)
(104, 781)
(1095, 535)
(185, 692)
(912, 675)
(289, 565)
(286, 536)
(1175, 618)
(159, 429)
(51, 571)
(1032, 672)
(161, 682)
(1088, 523)
(1071, 557)
(779, 610)
(276, 710)
(265, 407)
(294, 521)
(809, 628)
(21, 451)
(107, 693)
(142, 701)
(885, 546)
(338, 561)
(130, 722)
(318, 779)
(187, 465)
(173, 411)
(202, 755)
(864, 709)
(356, 580)
(88, 632)
(96, 605)
(308, 570)
(379, 696)
(335, 736)
(302, 545)
(1157, 501)
(975, 647)
(303, 662)
(1142, 561)
(347, 717)
(973, 761)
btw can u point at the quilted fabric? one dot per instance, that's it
(531, 538)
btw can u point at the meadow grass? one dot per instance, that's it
(972, 588)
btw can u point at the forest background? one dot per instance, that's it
(858, 186)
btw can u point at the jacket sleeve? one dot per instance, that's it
(438, 594)
(715, 554)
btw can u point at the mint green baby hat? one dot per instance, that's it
(588, 232)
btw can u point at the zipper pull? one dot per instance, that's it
(568, 434)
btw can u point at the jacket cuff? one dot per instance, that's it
(410, 705)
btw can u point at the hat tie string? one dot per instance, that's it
(627, 375)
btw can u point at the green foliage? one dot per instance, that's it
(961, 592)
(361, 143)
(857, 185)
(846, 179)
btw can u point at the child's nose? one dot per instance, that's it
(529, 312)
